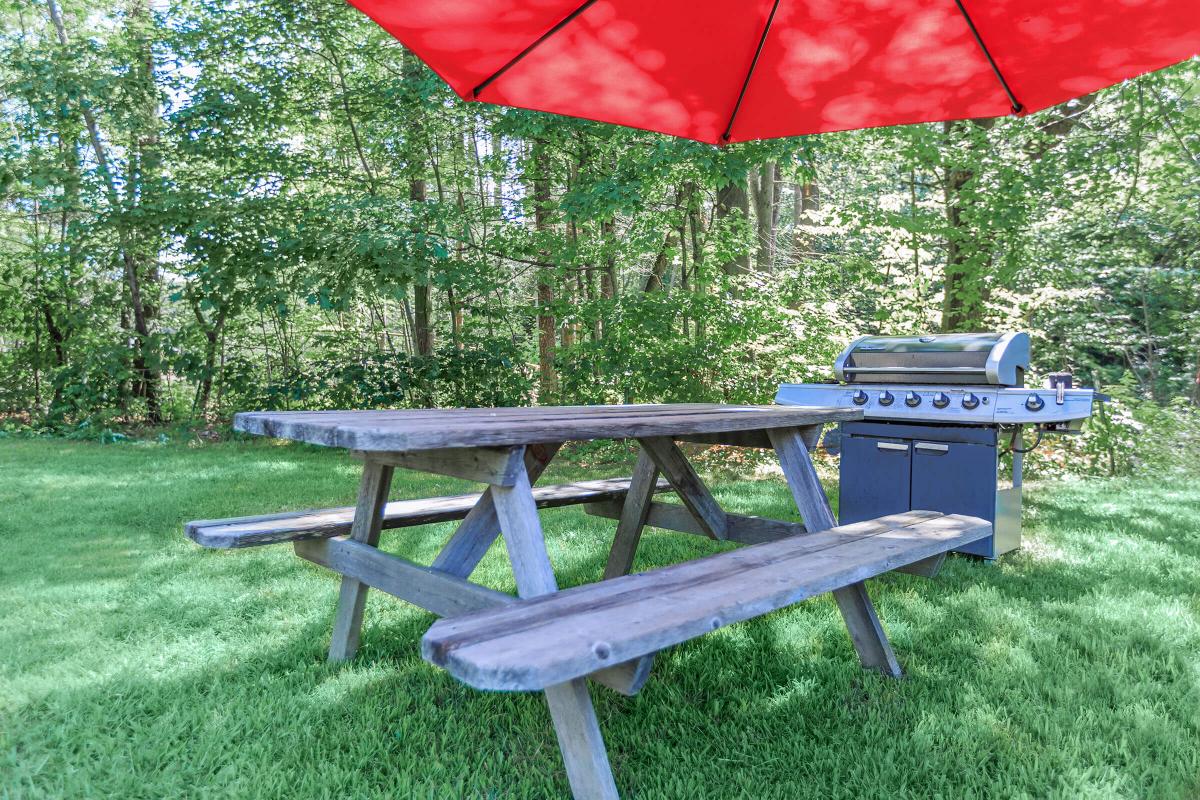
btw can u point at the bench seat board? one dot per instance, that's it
(325, 523)
(543, 641)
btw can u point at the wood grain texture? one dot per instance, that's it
(626, 678)
(365, 529)
(266, 529)
(492, 465)
(802, 480)
(629, 677)
(928, 568)
(546, 640)
(522, 531)
(631, 514)
(470, 542)
(810, 435)
(862, 623)
(756, 438)
(438, 593)
(574, 717)
(671, 517)
(580, 741)
(428, 588)
(426, 429)
(678, 471)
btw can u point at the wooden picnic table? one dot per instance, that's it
(609, 631)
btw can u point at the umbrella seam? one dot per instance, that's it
(749, 74)
(1012, 98)
(515, 59)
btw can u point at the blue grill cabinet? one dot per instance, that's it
(887, 468)
(936, 412)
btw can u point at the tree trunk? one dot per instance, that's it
(548, 383)
(138, 248)
(732, 200)
(144, 182)
(658, 271)
(964, 302)
(608, 275)
(764, 187)
(694, 228)
(806, 197)
(422, 300)
(212, 338)
(456, 317)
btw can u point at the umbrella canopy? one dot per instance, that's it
(720, 71)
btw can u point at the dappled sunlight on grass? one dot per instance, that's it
(139, 665)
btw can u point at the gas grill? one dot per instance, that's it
(938, 412)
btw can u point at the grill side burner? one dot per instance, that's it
(939, 411)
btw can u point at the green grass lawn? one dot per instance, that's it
(135, 664)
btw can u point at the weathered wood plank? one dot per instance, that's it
(862, 623)
(571, 709)
(632, 516)
(675, 467)
(545, 640)
(492, 465)
(810, 435)
(470, 542)
(522, 530)
(628, 677)
(352, 596)
(802, 480)
(437, 592)
(325, 523)
(738, 528)
(428, 588)
(505, 412)
(454, 428)
(756, 438)
(580, 741)
(697, 571)
(928, 568)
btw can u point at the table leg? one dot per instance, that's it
(368, 518)
(571, 709)
(687, 484)
(475, 534)
(628, 677)
(633, 517)
(867, 634)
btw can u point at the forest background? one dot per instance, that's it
(212, 206)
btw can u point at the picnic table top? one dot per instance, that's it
(430, 429)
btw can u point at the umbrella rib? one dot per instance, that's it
(749, 74)
(513, 61)
(1012, 99)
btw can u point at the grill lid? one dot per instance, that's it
(997, 359)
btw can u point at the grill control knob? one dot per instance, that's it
(859, 398)
(886, 398)
(912, 399)
(941, 400)
(1035, 402)
(970, 400)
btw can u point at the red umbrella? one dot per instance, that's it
(756, 69)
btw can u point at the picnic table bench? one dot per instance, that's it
(555, 641)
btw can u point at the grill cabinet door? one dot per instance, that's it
(874, 478)
(956, 478)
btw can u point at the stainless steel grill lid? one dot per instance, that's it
(995, 359)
